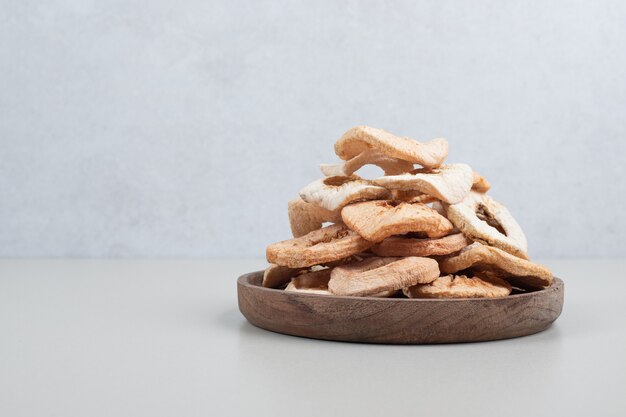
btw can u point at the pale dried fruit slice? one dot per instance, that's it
(333, 193)
(276, 276)
(513, 269)
(480, 183)
(317, 283)
(391, 166)
(311, 282)
(305, 217)
(362, 138)
(377, 220)
(448, 183)
(328, 244)
(406, 246)
(460, 286)
(374, 275)
(484, 220)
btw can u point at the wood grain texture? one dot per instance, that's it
(397, 320)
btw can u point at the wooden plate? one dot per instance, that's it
(397, 320)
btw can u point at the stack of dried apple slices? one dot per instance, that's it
(420, 232)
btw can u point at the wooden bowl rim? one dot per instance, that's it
(245, 281)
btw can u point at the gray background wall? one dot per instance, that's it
(181, 128)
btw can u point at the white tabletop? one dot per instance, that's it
(165, 338)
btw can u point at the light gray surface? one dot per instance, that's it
(165, 338)
(182, 128)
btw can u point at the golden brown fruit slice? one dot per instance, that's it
(332, 193)
(362, 138)
(328, 244)
(406, 246)
(484, 220)
(510, 267)
(374, 275)
(460, 286)
(305, 217)
(377, 220)
(448, 183)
